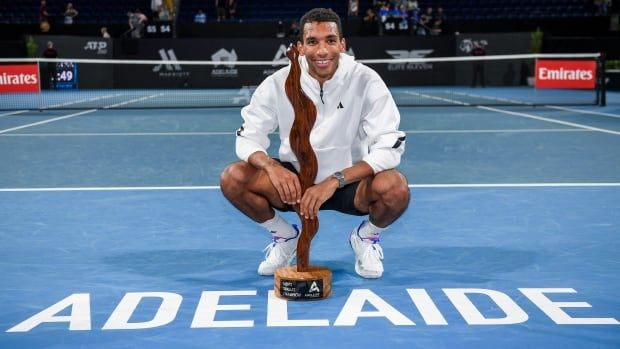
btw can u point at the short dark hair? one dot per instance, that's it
(320, 15)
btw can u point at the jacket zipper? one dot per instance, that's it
(321, 95)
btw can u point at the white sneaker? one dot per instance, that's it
(368, 255)
(279, 254)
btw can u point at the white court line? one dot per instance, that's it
(81, 101)
(582, 111)
(191, 134)
(14, 113)
(437, 98)
(133, 101)
(415, 186)
(524, 130)
(550, 120)
(48, 121)
(120, 134)
(491, 98)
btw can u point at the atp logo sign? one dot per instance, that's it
(409, 54)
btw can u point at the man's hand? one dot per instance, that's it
(315, 196)
(285, 182)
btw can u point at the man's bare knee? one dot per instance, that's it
(392, 189)
(233, 178)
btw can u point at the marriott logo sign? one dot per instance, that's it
(19, 78)
(565, 74)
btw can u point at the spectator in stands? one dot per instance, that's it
(155, 5)
(70, 14)
(280, 29)
(50, 67)
(43, 14)
(478, 50)
(440, 14)
(293, 30)
(137, 21)
(104, 33)
(221, 8)
(44, 17)
(353, 10)
(200, 17)
(384, 11)
(438, 22)
(425, 22)
(163, 14)
(232, 9)
(370, 23)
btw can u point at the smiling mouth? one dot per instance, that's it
(322, 63)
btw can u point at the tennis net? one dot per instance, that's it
(531, 79)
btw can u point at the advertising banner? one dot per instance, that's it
(227, 74)
(19, 78)
(565, 74)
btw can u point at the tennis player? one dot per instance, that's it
(355, 138)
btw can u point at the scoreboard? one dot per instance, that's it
(66, 75)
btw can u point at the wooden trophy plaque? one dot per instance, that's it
(302, 281)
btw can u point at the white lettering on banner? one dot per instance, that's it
(564, 74)
(100, 46)
(277, 311)
(409, 54)
(18, 79)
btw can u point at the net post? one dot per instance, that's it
(601, 91)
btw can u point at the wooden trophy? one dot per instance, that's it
(302, 281)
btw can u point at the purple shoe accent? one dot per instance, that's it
(374, 239)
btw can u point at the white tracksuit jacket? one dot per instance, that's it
(357, 119)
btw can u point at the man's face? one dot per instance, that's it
(321, 45)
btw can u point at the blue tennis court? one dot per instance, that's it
(114, 234)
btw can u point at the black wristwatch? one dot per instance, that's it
(340, 177)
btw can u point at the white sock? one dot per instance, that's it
(279, 228)
(369, 231)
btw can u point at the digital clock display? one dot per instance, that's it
(66, 75)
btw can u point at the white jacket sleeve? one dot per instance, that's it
(380, 124)
(259, 120)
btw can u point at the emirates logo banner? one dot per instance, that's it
(19, 78)
(565, 74)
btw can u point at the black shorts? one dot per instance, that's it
(341, 201)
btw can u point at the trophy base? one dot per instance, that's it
(313, 284)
